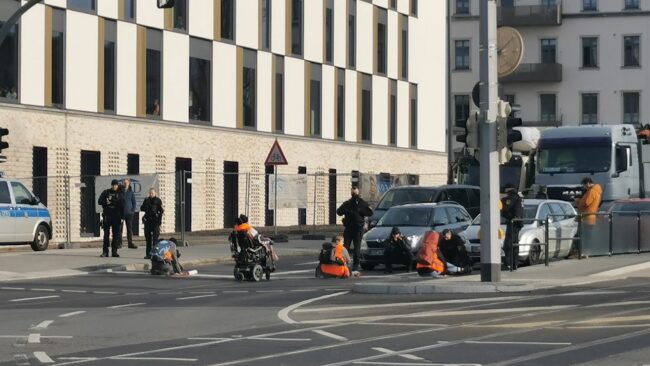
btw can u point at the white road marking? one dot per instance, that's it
(622, 303)
(304, 290)
(293, 272)
(615, 319)
(105, 292)
(269, 291)
(413, 364)
(284, 313)
(330, 335)
(235, 292)
(13, 288)
(405, 324)
(604, 326)
(77, 358)
(153, 359)
(43, 357)
(594, 292)
(546, 324)
(43, 289)
(401, 304)
(72, 314)
(404, 355)
(42, 325)
(125, 305)
(34, 338)
(35, 298)
(521, 343)
(306, 263)
(201, 292)
(281, 339)
(42, 337)
(135, 293)
(623, 270)
(75, 291)
(208, 339)
(195, 297)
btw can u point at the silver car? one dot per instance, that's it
(23, 218)
(562, 225)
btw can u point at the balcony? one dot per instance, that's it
(535, 73)
(530, 15)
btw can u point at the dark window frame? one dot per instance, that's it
(340, 104)
(392, 114)
(589, 100)
(589, 5)
(413, 117)
(154, 47)
(329, 31)
(201, 58)
(545, 98)
(631, 5)
(126, 4)
(589, 52)
(181, 25)
(73, 5)
(58, 83)
(279, 94)
(228, 27)
(110, 39)
(548, 50)
(465, 58)
(352, 34)
(634, 116)
(297, 28)
(7, 95)
(316, 101)
(462, 108)
(366, 109)
(382, 41)
(463, 7)
(267, 25)
(249, 74)
(632, 51)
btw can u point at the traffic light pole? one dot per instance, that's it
(490, 220)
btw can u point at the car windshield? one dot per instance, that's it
(477, 220)
(576, 155)
(407, 216)
(630, 207)
(398, 197)
(530, 211)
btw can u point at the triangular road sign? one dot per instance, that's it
(276, 156)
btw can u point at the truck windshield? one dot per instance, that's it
(575, 155)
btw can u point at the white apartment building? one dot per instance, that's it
(585, 61)
(107, 87)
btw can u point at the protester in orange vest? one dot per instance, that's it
(587, 206)
(428, 259)
(336, 265)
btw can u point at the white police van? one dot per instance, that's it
(23, 218)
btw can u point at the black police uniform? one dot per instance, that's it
(153, 211)
(355, 210)
(113, 204)
(513, 208)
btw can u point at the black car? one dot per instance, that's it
(467, 196)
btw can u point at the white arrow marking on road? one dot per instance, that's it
(42, 325)
(284, 313)
(34, 338)
(35, 298)
(405, 355)
(43, 357)
(195, 297)
(125, 305)
(72, 314)
(330, 335)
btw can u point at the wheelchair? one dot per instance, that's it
(253, 260)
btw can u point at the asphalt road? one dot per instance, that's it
(295, 319)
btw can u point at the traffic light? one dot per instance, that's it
(506, 134)
(3, 144)
(471, 136)
(163, 4)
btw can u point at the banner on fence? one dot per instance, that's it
(373, 186)
(292, 191)
(140, 185)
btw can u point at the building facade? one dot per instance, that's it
(106, 87)
(584, 60)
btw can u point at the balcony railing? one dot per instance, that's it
(535, 73)
(530, 15)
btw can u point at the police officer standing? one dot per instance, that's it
(153, 211)
(112, 201)
(512, 208)
(355, 210)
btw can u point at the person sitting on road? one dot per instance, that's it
(242, 226)
(333, 261)
(397, 251)
(452, 248)
(164, 258)
(428, 259)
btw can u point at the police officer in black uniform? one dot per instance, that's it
(512, 208)
(355, 210)
(112, 201)
(153, 211)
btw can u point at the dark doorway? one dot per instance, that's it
(332, 197)
(268, 214)
(230, 193)
(133, 168)
(302, 212)
(184, 164)
(90, 168)
(39, 173)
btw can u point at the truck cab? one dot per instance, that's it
(23, 218)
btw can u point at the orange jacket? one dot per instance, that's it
(337, 270)
(589, 203)
(428, 254)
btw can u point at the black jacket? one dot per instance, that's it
(513, 207)
(153, 210)
(354, 209)
(113, 203)
(398, 246)
(453, 250)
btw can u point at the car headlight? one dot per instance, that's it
(364, 244)
(413, 240)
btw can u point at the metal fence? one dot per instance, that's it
(197, 201)
(615, 233)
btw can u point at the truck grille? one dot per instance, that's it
(564, 193)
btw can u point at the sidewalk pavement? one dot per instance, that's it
(26, 265)
(558, 274)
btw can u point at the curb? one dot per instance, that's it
(439, 287)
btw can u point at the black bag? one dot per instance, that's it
(325, 254)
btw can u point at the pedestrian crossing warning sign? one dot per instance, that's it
(276, 156)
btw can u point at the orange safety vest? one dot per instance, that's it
(428, 254)
(337, 270)
(589, 203)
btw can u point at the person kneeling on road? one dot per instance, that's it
(334, 260)
(397, 251)
(452, 248)
(164, 258)
(428, 258)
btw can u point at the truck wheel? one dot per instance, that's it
(41, 239)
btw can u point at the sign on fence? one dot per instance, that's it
(140, 185)
(292, 191)
(373, 186)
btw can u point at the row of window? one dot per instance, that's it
(548, 52)
(463, 6)
(200, 84)
(548, 108)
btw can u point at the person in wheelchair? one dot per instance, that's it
(244, 236)
(334, 260)
(164, 258)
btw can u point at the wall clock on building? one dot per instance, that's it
(510, 50)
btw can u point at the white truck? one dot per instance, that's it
(611, 155)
